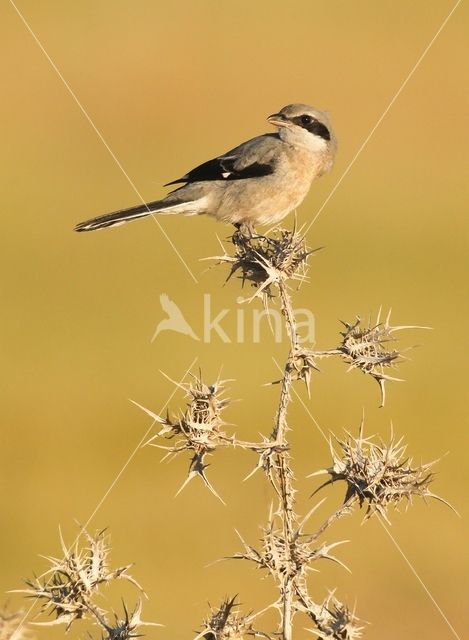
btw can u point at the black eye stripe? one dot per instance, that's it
(314, 126)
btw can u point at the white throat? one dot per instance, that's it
(302, 138)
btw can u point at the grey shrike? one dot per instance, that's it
(258, 182)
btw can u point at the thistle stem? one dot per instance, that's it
(287, 614)
(341, 511)
(283, 472)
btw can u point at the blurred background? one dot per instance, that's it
(169, 85)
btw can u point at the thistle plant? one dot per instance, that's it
(68, 590)
(376, 475)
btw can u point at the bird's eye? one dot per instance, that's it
(306, 120)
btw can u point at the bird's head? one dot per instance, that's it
(300, 124)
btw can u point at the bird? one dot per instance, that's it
(258, 182)
(175, 320)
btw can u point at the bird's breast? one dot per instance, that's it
(268, 199)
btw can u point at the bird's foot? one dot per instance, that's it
(244, 232)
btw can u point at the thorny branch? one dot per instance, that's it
(283, 473)
(269, 263)
(375, 474)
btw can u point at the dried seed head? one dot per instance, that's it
(334, 620)
(286, 561)
(67, 588)
(12, 625)
(200, 423)
(378, 474)
(197, 429)
(367, 348)
(226, 623)
(128, 626)
(265, 261)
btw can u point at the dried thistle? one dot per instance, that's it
(226, 623)
(268, 260)
(287, 561)
(367, 348)
(197, 429)
(378, 474)
(68, 587)
(128, 626)
(12, 625)
(332, 619)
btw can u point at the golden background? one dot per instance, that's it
(170, 84)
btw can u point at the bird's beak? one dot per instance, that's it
(278, 120)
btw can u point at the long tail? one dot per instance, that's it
(164, 206)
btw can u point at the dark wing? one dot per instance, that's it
(251, 159)
(224, 168)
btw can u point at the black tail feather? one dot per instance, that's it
(119, 217)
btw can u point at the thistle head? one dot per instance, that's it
(128, 626)
(285, 560)
(227, 623)
(68, 588)
(378, 475)
(333, 620)
(369, 349)
(197, 429)
(200, 423)
(267, 261)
